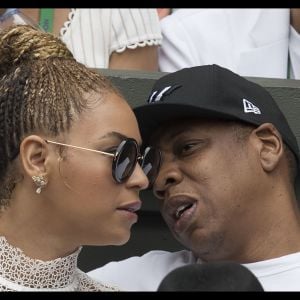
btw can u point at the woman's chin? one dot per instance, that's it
(122, 239)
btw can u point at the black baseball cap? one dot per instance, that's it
(211, 91)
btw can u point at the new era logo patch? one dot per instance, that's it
(249, 107)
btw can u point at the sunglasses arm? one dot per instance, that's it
(80, 148)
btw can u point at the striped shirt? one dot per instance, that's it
(93, 34)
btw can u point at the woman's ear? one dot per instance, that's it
(270, 146)
(34, 154)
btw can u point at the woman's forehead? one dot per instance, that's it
(111, 115)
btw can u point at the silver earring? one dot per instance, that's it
(40, 181)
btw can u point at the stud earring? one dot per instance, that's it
(40, 181)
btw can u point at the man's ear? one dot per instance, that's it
(270, 146)
(33, 155)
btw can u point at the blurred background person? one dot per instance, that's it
(250, 42)
(124, 38)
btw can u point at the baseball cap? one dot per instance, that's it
(211, 91)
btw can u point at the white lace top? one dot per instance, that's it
(19, 272)
(92, 34)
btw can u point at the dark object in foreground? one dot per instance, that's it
(213, 276)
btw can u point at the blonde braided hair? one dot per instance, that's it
(42, 89)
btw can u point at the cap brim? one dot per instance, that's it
(151, 116)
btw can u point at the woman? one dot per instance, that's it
(68, 171)
(103, 38)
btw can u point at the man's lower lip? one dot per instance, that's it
(185, 219)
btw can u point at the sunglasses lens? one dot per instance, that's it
(125, 160)
(151, 163)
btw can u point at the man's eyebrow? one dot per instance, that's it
(178, 132)
(156, 138)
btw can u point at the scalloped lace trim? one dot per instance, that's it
(67, 24)
(140, 44)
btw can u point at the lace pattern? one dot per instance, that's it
(68, 22)
(140, 44)
(19, 272)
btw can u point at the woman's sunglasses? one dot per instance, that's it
(125, 159)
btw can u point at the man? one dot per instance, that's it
(226, 182)
(247, 41)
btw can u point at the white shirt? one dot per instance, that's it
(278, 274)
(142, 273)
(145, 273)
(250, 42)
(93, 34)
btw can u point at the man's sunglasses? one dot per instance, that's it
(125, 159)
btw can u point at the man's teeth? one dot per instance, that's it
(181, 209)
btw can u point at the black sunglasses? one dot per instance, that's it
(125, 159)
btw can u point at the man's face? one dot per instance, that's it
(208, 186)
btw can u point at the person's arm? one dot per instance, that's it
(295, 19)
(135, 36)
(141, 58)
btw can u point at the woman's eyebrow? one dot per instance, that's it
(114, 134)
(118, 135)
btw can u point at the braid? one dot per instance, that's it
(25, 43)
(42, 89)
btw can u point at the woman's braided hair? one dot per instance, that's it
(41, 90)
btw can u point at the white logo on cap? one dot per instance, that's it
(249, 107)
(156, 97)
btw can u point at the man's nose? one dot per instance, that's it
(169, 174)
